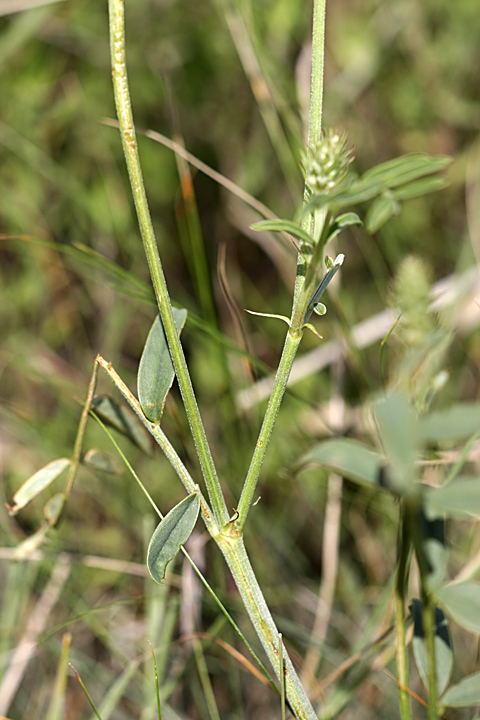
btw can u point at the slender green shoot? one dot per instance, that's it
(86, 692)
(295, 331)
(127, 132)
(157, 688)
(404, 553)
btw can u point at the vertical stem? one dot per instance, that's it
(318, 68)
(281, 378)
(294, 334)
(127, 131)
(428, 607)
(401, 649)
(428, 621)
(77, 449)
(237, 559)
(316, 100)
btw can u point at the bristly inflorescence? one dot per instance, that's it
(328, 161)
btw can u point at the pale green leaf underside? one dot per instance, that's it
(172, 532)
(461, 498)
(348, 458)
(465, 694)
(455, 424)
(396, 423)
(462, 603)
(156, 372)
(37, 483)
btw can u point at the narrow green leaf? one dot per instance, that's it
(123, 421)
(420, 187)
(292, 228)
(53, 508)
(457, 423)
(358, 192)
(397, 428)
(58, 693)
(156, 372)
(347, 219)
(459, 499)
(341, 222)
(173, 531)
(348, 458)
(103, 461)
(354, 192)
(462, 603)
(37, 483)
(443, 647)
(466, 693)
(406, 168)
(380, 211)
(374, 182)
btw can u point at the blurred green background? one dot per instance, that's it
(229, 79)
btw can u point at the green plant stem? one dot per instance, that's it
(428, 606)
(316, 97)
(428, 619)
(400, 631)
(302, 293)
(292, 341)
(238, 561)
(162, 440)
(127, 131)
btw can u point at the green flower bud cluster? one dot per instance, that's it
(328, 162)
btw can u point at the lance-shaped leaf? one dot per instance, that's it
(455, 424)
(443, 647)
(420, 187)
(406, 169)
(403, 172)
(37, 483)
(292, 228)
(462, 603)
(103, 461)
(53, 508)
(156, 371)
(466, 693)
(348, 458)
(341, 222)
(460, 498)
(173, 531)
(380, 211)
(396, 423)
(121, 419)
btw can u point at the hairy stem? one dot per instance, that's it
(237, 559)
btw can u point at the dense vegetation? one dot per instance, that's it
(229, 81)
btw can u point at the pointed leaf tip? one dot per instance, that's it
(156, 372)
(172, 532)
(38, 482)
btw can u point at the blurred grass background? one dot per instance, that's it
(229, 78)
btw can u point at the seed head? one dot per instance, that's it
(328, 162)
